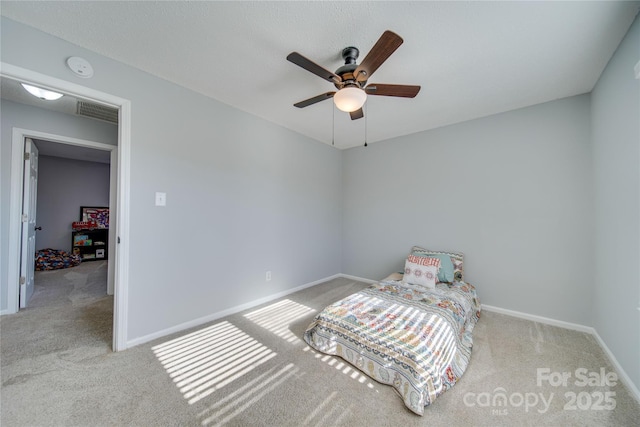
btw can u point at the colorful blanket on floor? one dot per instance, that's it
(54, 259)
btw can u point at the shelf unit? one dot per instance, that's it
(91, 244)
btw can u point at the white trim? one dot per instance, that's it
(18, 136)
(359, 279)
(121, 294)
(223, 313)
(121, 257)
(633, 390)
(58, 85)
(540, 319)
(15, 209)
(34, 134)
(621, 373)
(113, 205)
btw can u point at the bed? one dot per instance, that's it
(415, 337)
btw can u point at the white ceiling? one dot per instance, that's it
(472, 59)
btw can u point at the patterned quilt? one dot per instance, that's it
(415, 339)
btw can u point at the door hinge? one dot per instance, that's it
(23, 280)
(27, 156)
(25, 218)
(118, 239)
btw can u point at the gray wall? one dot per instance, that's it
(513, 192)
(63, 186)
(41, 120)
(615, 124)
(243, 195)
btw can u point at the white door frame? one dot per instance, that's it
(121, 279)
(17, 145)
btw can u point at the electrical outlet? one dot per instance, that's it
(268, 276)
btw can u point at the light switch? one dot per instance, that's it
(161, 199)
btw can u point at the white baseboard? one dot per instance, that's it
(539, 319)
(359, 279)
(215, 316)
(622, 375)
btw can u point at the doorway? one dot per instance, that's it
(76, 151)
(119, 197)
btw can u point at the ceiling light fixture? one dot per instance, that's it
(42, 93)
(350, 99)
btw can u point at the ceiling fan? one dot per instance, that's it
(351, 79)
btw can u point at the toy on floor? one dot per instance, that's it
(54, 259)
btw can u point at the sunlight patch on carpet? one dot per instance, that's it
(207, 360)
(277, 317)
(224, 410)
(329, 412)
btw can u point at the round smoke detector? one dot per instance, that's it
(80, 67)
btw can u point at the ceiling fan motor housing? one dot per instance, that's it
(350, 55)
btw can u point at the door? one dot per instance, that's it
(29, 199)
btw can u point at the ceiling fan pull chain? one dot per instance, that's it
(366, 109)
(333, 124)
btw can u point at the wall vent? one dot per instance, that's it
(97, 111)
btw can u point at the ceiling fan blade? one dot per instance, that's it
(404, 91)
(384, 47)
(312, 67)
(358, 114)
(313, 100)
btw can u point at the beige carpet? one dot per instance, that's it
(253, 369)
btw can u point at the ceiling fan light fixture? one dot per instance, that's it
(47, 95)
(350, 99)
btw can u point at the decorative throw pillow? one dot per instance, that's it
(420, 274)
(423, 260)
(446, 271)
(453, 260)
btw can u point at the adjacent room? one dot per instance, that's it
(272, 167)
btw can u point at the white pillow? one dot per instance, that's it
(419, 274)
